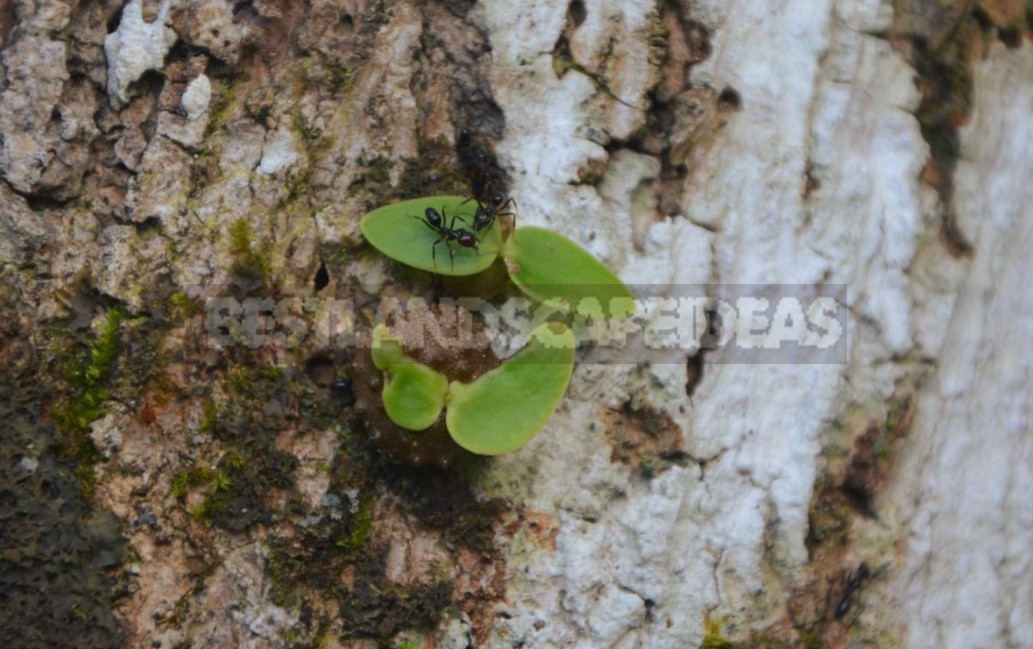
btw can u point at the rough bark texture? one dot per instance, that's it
(157, 490)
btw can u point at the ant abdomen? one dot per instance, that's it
(433, 217)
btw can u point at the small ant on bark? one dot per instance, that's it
(852, 585)
(436, 222)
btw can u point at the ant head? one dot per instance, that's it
(497, 200)
(433, 217)
(467, 239)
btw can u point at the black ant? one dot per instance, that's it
(436, 222)
(852, 585)
(486, 180)
(486, 214)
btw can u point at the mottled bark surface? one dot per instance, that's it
(161, 490)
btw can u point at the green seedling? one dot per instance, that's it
(402, 232)
(504, 409)
(550, 267)
(414, 394)
(499, 411)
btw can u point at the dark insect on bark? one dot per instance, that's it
(851, 587)
(341, 387)
(480, 167)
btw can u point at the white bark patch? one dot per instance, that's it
(35, 78)
(279, 152)
(816, 91)
(196, 97)
(136, 47)
(964, 493)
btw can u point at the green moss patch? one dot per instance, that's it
(88, 375)
(251, 260)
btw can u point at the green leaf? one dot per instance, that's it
(502, 410)
(386, 348)
(548, 266)
(396, 231)
(414, 394)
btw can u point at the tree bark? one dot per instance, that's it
(162, 490)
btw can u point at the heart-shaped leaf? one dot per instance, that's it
(399, 231)
(414, 394)
(502, 410)
(548, 266)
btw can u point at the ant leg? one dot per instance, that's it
(452, 225)
(461, 219)
(424, 222)
(510, 201)
(434, 251)
(499, 215)
(452, 254)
